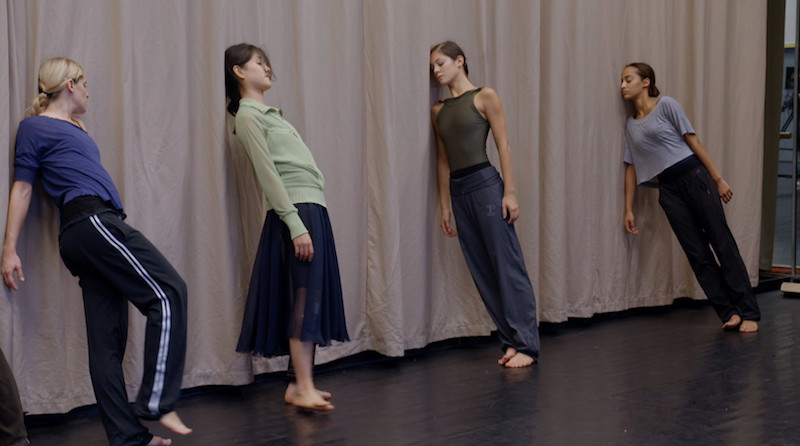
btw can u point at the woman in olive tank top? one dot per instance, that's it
(484, 204)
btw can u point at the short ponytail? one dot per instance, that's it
(40, 102)
(54, 75)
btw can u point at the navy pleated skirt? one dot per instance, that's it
(289, 298)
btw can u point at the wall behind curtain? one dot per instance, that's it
(352, 76)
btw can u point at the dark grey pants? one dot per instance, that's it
(12, 423)
(117, 264)
(494, 258)
(691, 201)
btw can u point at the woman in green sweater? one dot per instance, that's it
(295, 297)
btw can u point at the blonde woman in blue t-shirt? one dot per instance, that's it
(295, 297)
(662, 145)
(115, 263)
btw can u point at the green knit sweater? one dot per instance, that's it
(283, 163)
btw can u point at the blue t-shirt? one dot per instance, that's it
(656, 141)
(67, 159)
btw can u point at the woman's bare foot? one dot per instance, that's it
(291, 390)
(510, 352)
(733, 323)
(173, 422)
(748, 327)
(520, 360)
(312, 402)
(158, 441)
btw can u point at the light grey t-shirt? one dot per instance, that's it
(656, 142)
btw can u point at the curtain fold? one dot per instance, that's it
(353, 77)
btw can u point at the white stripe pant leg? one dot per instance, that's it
(117, 263)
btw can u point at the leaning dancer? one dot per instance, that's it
(295, 297)
(484, 204)
(114, 262)
(662, 145)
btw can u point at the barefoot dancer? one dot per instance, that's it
(662, 144)
(295, 297)
(484, 205)
(113, 261)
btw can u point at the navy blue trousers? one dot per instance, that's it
(494, 257)
(690, 198)
(116, 264)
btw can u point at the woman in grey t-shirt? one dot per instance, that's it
(661, 146)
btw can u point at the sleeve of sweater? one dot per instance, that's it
(252, 137)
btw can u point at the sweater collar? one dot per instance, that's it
(259, 106)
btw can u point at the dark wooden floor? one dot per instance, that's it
(658, 377)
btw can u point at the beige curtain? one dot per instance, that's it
(353, 78)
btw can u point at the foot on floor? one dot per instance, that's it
(733, 323)
(510, 352)
(312, 402)
(173, 422)
(291, 390)
(520, 360)
(158, 441)
(748, 326)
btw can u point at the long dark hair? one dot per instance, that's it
(235, 55)
(646, 72)
(451, 50)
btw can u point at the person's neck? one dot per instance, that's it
(460, 86)
(59, 110)
(255, 95)
(644, 104)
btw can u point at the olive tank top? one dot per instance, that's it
(463, 131)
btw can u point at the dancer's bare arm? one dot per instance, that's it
(699, 149)
(18, 203)
(630, 194)
(443, 173)
(488, 103)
